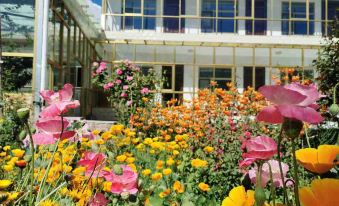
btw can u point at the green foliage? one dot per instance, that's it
(16, 73)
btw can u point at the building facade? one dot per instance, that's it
(191, 42)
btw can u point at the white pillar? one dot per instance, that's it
(159, 21)
(40, 51)
(239, 77)
(242, 12)
(188, 82)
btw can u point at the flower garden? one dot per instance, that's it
(222, 148)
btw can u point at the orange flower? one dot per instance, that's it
(319, 160)
(323, 192)
(204, 187)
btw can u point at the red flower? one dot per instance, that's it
(94, 163)
(126, 182)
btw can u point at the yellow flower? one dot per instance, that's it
(4, 184)
(204, 187)
(18, 153)
(106, 136)
(121, 158)
(99, 142)
(198, 163)
(64, 191)
(170, 162)
(95, 132)
(175, 152)
(146, 172)
(156, 176)
(323, 192)
(6, 148)
(178, 187)
(49, 203)
(319, 160)
(3, 154)
(166, 171)
(79, 171)
(164, 193)
(160, 164)
(7, 168)
(238, 196)
(107, 186)
(116, 129)
(130, 159)
(133, 167)
(13, 196)
(208, 149)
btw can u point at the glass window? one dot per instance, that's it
(298, 11)
(260, 11)
(332, 12)
(259, 77)
(149, 9)
(172, 24)
(221, 75)
(225, 10)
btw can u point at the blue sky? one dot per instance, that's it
(97, 2)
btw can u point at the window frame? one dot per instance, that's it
(214, 78)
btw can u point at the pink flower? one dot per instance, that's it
(101, 68)
(129, 103)
(126, 182)
(125, 87)
(95, 64)
(123, 95)
(258, 148)
(118, 81)
(137, 69)
(145, 90)
(99, 199)
(129, 78)
(108, 85)
(294, 101)
(119, 72)
(50, 130)
(265, 175)
(94, 163)
(59, 102)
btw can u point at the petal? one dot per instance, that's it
(280, 95)
(51, 126)
(228, 202)
(308, 157)
(327, 153)
(66, 93)
(46, 95)
(326, 191)
(270, 114)
(310, 91)
(50, 112)
(43, 139)
(238, 195)
(250, 198)
(307, 198)
(306, 114)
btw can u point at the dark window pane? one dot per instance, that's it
(259, 77)
(223, 73)
(179, 78)
(171, 8)
(204, 83)
(167, 77)
(222, 83)
(132, 22)
(298, 10)
(208, 9)
(248, 77)
(260, 11)
(132, 6)
(206, 72)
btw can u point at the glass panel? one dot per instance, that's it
(224, 55)
(204, 55)
(260, 11)
(167, 77)
(208, 9)
(259, 77)
(206, 72)
(179, 78)
(248, 77)
(223, 73)
(244, 56)
(262, 56)
(226, 9)
(165, 54)
(286, 57)
(204, 83)
(309, 56)
(133, 6)
(150, 7)
(145, 53)
(190, 7)
(171, 8)
(124, 51)
(184, 54)
(223, 83)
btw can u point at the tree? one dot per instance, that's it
(327, 65)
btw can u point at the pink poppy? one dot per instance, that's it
(145, 90)
(50, 130)
(126, 182)
(125, 87)
(108, 85)
(59, 102)
(99, 199)
(123, 95)
(294, 101)
(129, 103)
(118, 81)
(258, 148)
(94, 163)
(265, 175)
(119, 72)
(129, 78)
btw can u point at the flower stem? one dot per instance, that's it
(296, 178)
(32, 163)
(280, 168)
(272, 184)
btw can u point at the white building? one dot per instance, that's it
(194, 41)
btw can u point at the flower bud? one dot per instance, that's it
(117, 170)
(21, 164)
(334, 109)
(3, 196)
(22, 135)
(292, 127)
(23, 114)
(125, 195)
